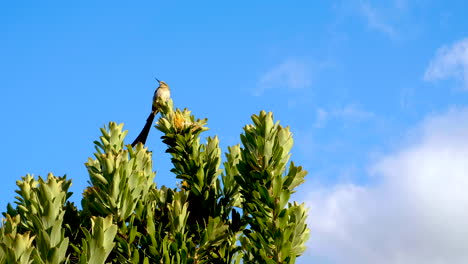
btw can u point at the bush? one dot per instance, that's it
(235, 213)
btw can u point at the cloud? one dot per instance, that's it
(415, 212)
(376, 21)
(292, 74)
(450, 62)
(349, 112)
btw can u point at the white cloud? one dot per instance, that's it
(450, 62)
(292, 74)
(416, 212)
(376, 21)
(349, 112)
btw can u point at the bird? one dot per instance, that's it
(161, 95)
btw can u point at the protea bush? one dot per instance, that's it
(232, 211)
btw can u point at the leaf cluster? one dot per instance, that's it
(236, 211)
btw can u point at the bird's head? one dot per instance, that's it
(162, 84)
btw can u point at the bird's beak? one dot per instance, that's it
(157, 80)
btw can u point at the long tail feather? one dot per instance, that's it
(145, 131)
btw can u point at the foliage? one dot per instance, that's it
(235, 213)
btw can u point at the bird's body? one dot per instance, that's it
(162, 94)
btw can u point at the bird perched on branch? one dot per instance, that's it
(161, 95)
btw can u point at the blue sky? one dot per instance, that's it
(375, 93)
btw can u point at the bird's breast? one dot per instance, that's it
(164, 94)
